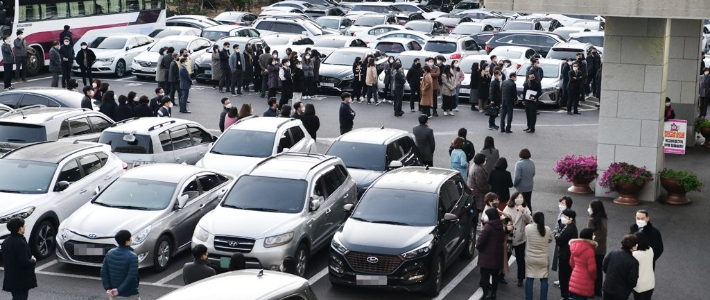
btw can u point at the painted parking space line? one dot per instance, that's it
(47, 265)
(318, 276)
(169, 277)
(459, 277)
(37, 79)
(479, 292)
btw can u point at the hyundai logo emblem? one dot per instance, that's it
(233, 244)
(373, 260)
(92, 235)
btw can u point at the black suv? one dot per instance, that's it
(541, 41)
(424, 219)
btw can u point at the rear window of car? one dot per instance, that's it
(518, 26)
(214, 35)
(442, 47)
(22, 133)
(141, 145)
(330, 43)
(563, 53)
(370, 21)
(390, 47)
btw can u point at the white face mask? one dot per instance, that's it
(563, 207)
(66, 43)
(298, 66)
(228, 106)
(161, 94)
(276, 56)
(93, 85)
(564, 220)
(456, 65)
(308, 56)
(641, 223)
(431, 63)
(575, 68)
(569, 63)
(590, 211)
(668, 104)
(287, 64)
(391, 60)
(519, 201)
(83, 47)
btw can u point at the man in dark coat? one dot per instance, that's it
(157, 101)
(199, 268)
(226, 79)
(424, 139)
(19, 263)
(346, 115)
(165, 62)
(399, 81)
(594, 62)
(173, 77)
(185, 85)
(67, 53)
(467, 147)
(55, 63)
(273, 110)
(119, 272)
(414, 78)
(226, 105)
(264, 62)
(583, 70)
(621, 269)
(509, 94)
(86, 100)
(21, 57)
(143, 109)
(567, 233)
(8, 60)
(85, 58)
(532, 90)
(67, 34)
(566, 67)
(643, 224)
(494, 95)
(574, 87)
(536, 69)
(236, 66)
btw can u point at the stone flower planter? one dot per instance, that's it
(676, 192)
(627, 193)
(705, 132)
(581, 186)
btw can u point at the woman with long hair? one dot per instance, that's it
(307, 66)
(108, 104)
(427, 90)
(598, 221)
(245, 111)
(562, 239)
(458, 73)
(524, 173)
(478, 180)
(448, 90)
(371, 81)
(475, 79)
(484, 85)
(492, 155)
(458, 158)
(310, 120)
(647, 277)
(358, 72)
(216, 69)
(490, 253)
(500, 180)
(231, 117)
(519, 211)
(537, 255)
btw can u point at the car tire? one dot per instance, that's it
(301, 259)
(333, 281)
(200, 80)
(42, 239)
(162, 254)
(469, 251)
(436, 281)
(35, 62)
(120, 68)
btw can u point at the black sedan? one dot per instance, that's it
(336, 71)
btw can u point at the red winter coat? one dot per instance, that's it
(584, 267)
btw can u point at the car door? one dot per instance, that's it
(409, 158)
(95, 174)
(334, 201)
(135, 47)
(183, 150)
(317, 224)
(99, 124)
(463, 205)
(450, 230)
(77, 128)
(75, 195)
(185, 218)
(201, 141)
(544, 44)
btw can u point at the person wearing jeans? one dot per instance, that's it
(509, 94)
(537, 255)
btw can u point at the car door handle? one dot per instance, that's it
(346, 195)
(201, 206)
(108, 177)
(82, 192)
(177, 159)
(327, 211)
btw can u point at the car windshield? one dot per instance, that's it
(467, 28)
(268, 194)
(251, 143)
(518, 26)
(563, 53)
(161, 33)
(359, 155)
(370, 21)
(597, 41)
(328, 43)
(329, 23)
(141, 194)
(397, 206)
(408, 60)
(22, 133)
(496, 22)
(425, 8)
(214, 35)
(343, 58)
(104, 42)
(506, 53)
(548, 70)
(25, 177)
(467, 5)
(140, 145)
(442, 47)
(168, 43)
(420, 26)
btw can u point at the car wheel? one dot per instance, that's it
(301, 259)
(120, 68)
(470, 249)
(42, 242)
(35, 62)
(435, 281)
(161, 254)
(200, 80)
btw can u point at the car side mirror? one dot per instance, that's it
(97, 190)
(214, 138)
(342, 26)
(181, 200)
(315, 203)
(128, 48)
(348, 207)
(395, 164)
(449, 217)
(62, 185)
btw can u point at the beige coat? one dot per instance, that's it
(449, 85)
(371, 77)
(537, 252)
(427, 90)
(520, 219)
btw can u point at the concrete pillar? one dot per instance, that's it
(684, 70)
(634, 80)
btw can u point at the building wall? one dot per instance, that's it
(680, 9)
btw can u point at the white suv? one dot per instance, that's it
(44, 183)
(251, 139)
(158, 140)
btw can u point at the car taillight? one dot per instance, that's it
(518, 66)
(456, 56)
(488, 48)
(402, 23)
(125, 166)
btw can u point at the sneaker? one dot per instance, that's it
(456, 109)
(378, 102)
(491, 127)
(556, 282)
(414, 110)
(446, 113)
(451, 113)
(234, 95)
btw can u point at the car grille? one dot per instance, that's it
(386, 264)
(233, 244)
(147, 63)
(336, 81)
(72, 247)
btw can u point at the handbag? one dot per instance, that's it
(491, 110)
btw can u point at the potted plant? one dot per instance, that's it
(627, 180)
(579, 170)
(702, 126)
(677, 184)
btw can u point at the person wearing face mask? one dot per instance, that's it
(237, 65)
(524, 175)
(537, 255)
(55, 63)
(308, 89)
(647, 278)
(484, 88)
(358, 74)
(448, 90)
(21, 57)
(164, 64)
(247, 60)
(643, 224)
(388, 77)
(509, 95)
(67, 34)
(298, 81)
(566, 67)
(562, 238)
(157, 101)
(490, 253)
(286, 79)
(414, 76)
(435, 74)
(165, 108)
(669, 111)
(598, 221)
(371, 81)
(573, 88)
(273, 82)
(532, 91)
(704, 92)
(86, 100)
(225, 79)
(535, 69)
(226, 105)
(621, 269)
(494, 95)
(459, 78)
(8, 60)
(521, 216)
(583, 70)
(565, 202)
(264, 61)
(67, 53)
(185, 85)
(594, 62)
(173, 77)
(399, 81)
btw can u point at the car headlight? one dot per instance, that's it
(422, 250)
(349, 77)
(105, 59)
(22, 213)
(201, 234)
(141, 236)
(278, 240)
(338, 246)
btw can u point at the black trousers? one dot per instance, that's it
(487, 284)
(531, 114)
(434, 97)
(527, 197)
(572, 101)
(492, 121)
(520, 260)
(7, 75)
(23, 295)
(704, 106)
(643, 296)
(506, 114)
(85, 73)
(66, 74)
(398, 93)
(608, 296)
(264, 84)
(591, 82)
(565, 272)
(225, 80)
(237, 80)
(357, 90)
(415, 94)
(167, 87)
(309, 90)
(345, 130)
(21, 69)
(286, 94)
(175, 87)
(600, 275)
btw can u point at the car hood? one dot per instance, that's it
(226, 163)
(248, 223)
(433, 15)
(13, 202)
(148, 56)
(106, 221)
(546, 83)
(391, 239)
(204, 58)
(108, 53)
(336, 71)
(364, 178)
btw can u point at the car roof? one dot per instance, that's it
(288, 165)
(173, 173)
(40, 115)
(245, 283)
(184, 38)
(261, 123)
(573, 44)
(50, 152)
(511, 48)
(372, 135)
(591, 33)
(123, 35)
(420, 179)
(447, 38)
(224, 27)
(49, 91)
(396, 40)
(418, 53)
(147, 125)
(334, 37)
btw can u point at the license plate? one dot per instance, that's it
(327, 84)
(149, 70)
(370, 280)
(224, 262)
(208, 72)
(465, 91)
(88, 250)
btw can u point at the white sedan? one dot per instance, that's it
(145, 64)
(114, 53)
(394, 46)
(516, 54)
